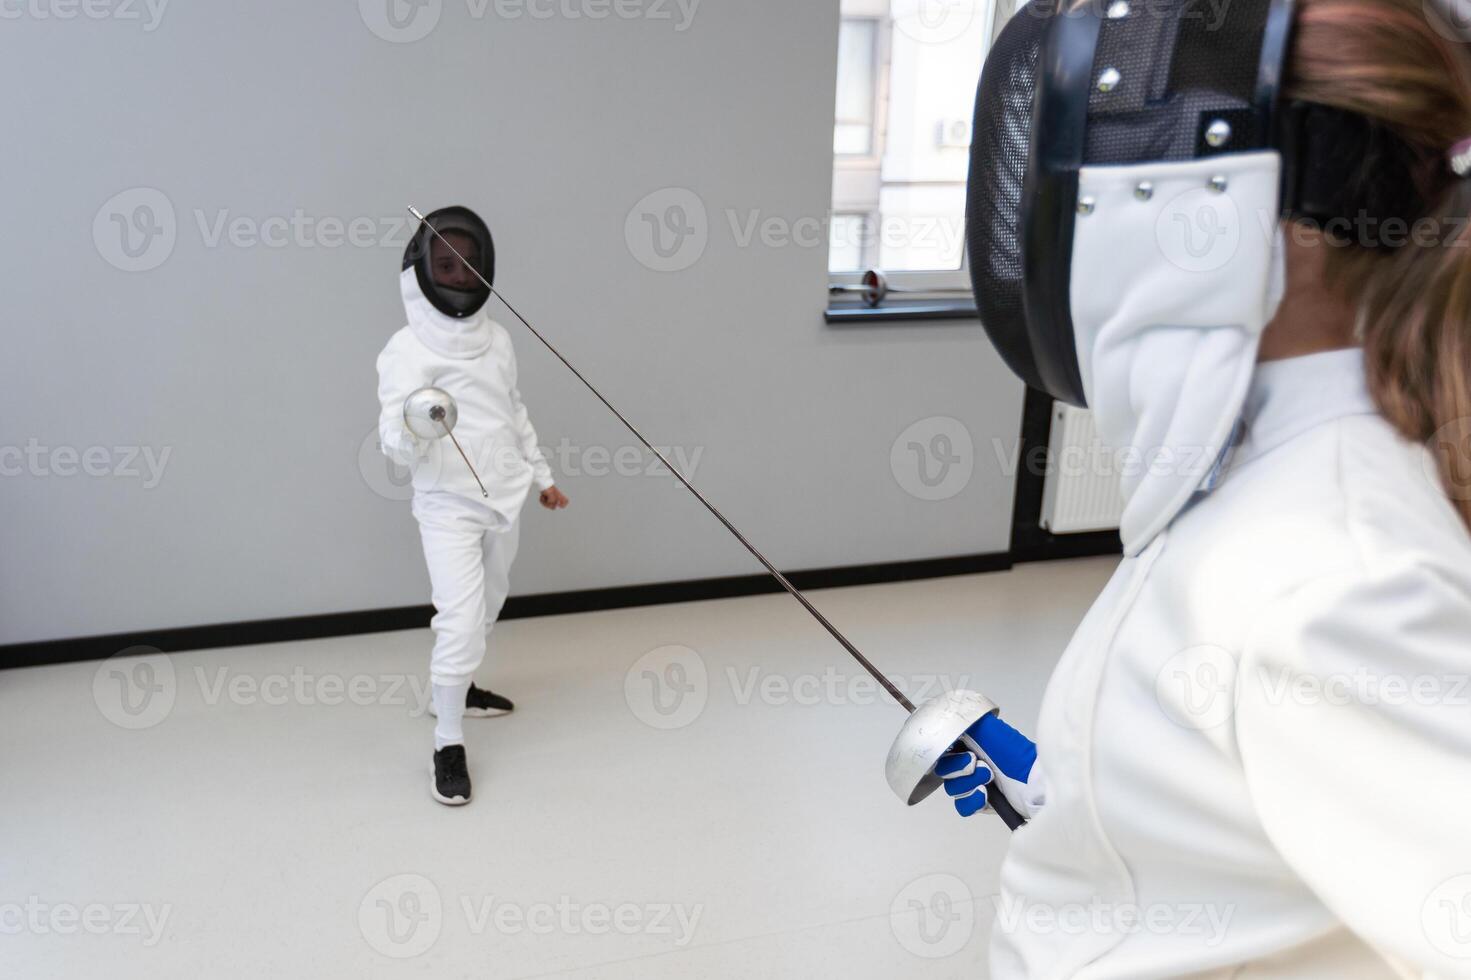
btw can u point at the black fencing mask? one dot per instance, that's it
(450, 287)
(1073, 89)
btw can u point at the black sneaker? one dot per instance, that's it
(451, 783)
(480, 703)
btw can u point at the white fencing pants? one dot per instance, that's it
(469, 549)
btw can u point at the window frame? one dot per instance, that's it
(917, 284)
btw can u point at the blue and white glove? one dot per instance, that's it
(966, 777)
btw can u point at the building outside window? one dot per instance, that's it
(906, 82)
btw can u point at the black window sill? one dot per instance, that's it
(897, 310)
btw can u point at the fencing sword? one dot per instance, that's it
(931, 729)
(431, 413)
(874, 287)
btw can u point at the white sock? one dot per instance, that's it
(449, 704)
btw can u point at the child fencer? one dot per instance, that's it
(467, 507)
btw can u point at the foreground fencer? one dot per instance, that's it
(1243, 243)
(468, 508)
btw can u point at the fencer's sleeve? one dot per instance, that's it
(1033, 795)
(1353, 721)
(541, 472)
(397, 379)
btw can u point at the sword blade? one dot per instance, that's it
(996, 799)
(776, 573)
(483, 491)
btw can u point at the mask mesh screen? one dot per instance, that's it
(1000, 144)
(1179, 64)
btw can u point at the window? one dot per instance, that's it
(906, 81)
(858, 65)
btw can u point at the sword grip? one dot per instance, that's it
(995, 798)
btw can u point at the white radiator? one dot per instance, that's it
(1080, 491)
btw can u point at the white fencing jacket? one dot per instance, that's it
(1258, 744)
(472, 359)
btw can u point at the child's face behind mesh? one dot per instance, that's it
(448, 271)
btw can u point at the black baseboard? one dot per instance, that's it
(517, 607)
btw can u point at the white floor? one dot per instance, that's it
(264, 811)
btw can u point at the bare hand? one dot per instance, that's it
(554, 499)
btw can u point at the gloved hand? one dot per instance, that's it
(966, 776)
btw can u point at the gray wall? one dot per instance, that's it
(251, 364)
